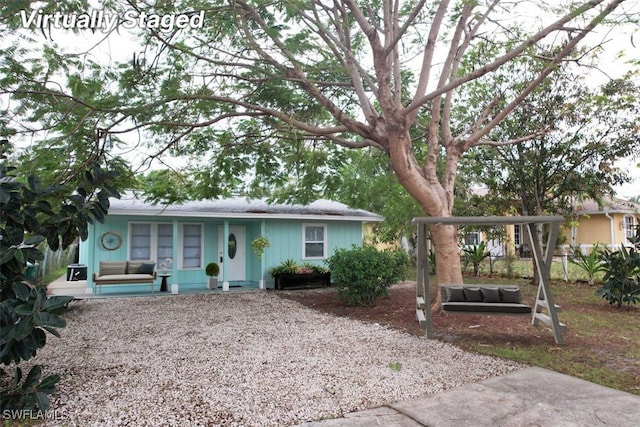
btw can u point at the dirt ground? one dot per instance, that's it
(398, 311)
(605, 346)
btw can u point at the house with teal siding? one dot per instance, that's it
(181, 239)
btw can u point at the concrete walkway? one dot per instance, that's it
(77, 289)
(528, 397)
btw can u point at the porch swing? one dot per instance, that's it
(488, 300)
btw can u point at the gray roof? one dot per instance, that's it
(608, 205)
(241, 207)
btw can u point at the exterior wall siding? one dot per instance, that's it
(285, 237)
(286, 241)
(597, 228)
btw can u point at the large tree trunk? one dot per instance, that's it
(448, 267)
(436, 198)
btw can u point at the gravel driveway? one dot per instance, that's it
(245, 359)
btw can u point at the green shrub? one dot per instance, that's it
(365, 274)
(622, 274)
(31, 214)
(288, 266)
(622, 277)
(475, 255)
(212, 269)
(591, 264)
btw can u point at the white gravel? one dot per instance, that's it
(238, 359)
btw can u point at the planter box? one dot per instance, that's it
(289, 280)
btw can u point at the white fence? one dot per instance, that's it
(53, 260)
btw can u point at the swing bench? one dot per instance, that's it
(482, 299)
(487, 299)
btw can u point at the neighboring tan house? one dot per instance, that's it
(188, 236)
(609, 224)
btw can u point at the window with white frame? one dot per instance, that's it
(472, 238)
(192, 241)
(517, 234)
(629, 229)
(314, 245)
(165, 242)
(150, 241)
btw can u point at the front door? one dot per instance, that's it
(236, 262)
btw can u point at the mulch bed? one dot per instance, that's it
(397, 311)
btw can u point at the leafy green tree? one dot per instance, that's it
(581, 134)
(30, 214)
(262, 89)
(367, 182)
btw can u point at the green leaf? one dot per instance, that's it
(8, 255)
(17, 377)
(26, 309)
(33, 378)
(48, 319)
(42, 400)
(52, 331)
(6, 335)
(35, 183)
(56, 302)
(34, 240)
(13, 235)
(49, 383)
(23, 329)
(21, 290)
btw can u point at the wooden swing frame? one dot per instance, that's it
(544, 310)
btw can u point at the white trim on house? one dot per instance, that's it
(305, 241)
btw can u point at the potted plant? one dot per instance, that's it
(289, 274)
(212, 270)
(259, 244)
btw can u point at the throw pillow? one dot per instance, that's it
(510, 295)
(490, 294)
(472, 294)
(110, 268)
(147, 267)
(133, 267)
(455, 294)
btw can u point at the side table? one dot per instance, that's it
(164, 285)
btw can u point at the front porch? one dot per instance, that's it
(81, 289)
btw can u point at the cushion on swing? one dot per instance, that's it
(486, 308)
(491, 295)
(455, 293)
(483, 300)
(510, 295)
(472, 294)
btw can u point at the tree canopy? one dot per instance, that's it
(585, 131)
(269, 92)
